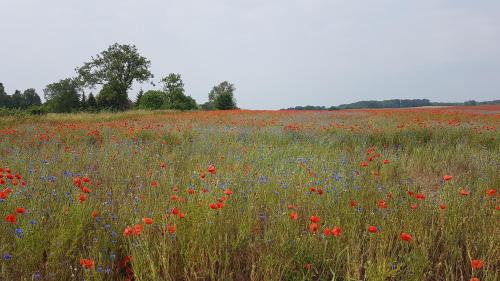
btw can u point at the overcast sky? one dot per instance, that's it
(278, 53)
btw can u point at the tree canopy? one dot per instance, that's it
(175, 97)
(222, 96)
(63, 96)
(116, 69)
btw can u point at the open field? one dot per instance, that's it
(252, 195)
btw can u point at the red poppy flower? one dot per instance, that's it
(154, 184)
(447, 177)
(491, 192)
(477, 264)
(11, 218)
(386, 161)
(87, 263)
(171, 228)
(128, 231)
(420, 196)
(414, 206)
(327, 232)
(175, 211)
(85, 189)
(405, 236)
(372, 229)
(294, 216)
(313, 227)
(475, 279)
(191, 191)
(94, 214)
(364, 164)
(314, 219)
(336, 231)
(354, 203)
(464, 192)
(211, 169)
(82, 198)
(77, 181)
(20, 210)
(147, 220)
(86, 179)
(137, 229)
(213, 206)
(228, 191)
(442, 206)
(382, 204)
(410, 193)
(163, 165)
(290, 207)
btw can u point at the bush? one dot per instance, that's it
(38, 110)
(152, 100)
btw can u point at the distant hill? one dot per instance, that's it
(394, 103)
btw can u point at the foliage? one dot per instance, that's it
(116, 69)
(31, 98)
(138, 98)
(63, 96)
(20, 100)
(119, 64)
(394, 103)
(113, 96)
(175, 97)
(91, 102)
(152, 100)
(222, 96)
(5, 99)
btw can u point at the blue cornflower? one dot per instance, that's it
(19, 232)
(7, 256)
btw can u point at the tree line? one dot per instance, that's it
(114, 71)
(393, 103)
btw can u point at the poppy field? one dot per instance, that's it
(403, 194)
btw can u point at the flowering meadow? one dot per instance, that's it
(406, 194)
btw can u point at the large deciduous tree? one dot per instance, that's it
(222, 96)
(116, 69)
(63, 96)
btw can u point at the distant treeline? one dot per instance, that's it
(394, 103)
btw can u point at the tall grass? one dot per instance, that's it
(269, 160)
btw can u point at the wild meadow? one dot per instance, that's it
(404, 194)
